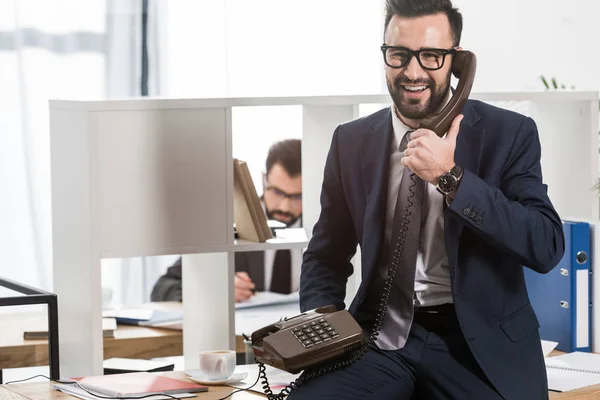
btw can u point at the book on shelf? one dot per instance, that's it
(40, 331)
(249, 216)
(131, 385)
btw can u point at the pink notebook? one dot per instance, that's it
(136, 385)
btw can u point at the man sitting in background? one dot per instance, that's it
(272, 270)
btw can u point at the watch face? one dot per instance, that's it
(447, 183)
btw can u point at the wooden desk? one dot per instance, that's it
(129, 342)
(44, 391)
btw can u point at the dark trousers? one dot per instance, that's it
(435, 363)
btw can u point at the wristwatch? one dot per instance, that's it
(448, 181)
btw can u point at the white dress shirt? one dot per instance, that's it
(432, 276)
(296, 259)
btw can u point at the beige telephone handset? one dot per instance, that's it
(322, 337)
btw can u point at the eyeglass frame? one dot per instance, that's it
(292, 197)
(417, 55)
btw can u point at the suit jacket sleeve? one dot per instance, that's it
(326, 265)
(516, 217)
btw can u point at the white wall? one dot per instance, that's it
(516, 41)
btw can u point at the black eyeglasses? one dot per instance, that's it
(295, 198)
(429, 59)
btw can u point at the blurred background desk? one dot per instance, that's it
(129, 342)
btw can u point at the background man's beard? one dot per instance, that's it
(413, 109)
(276, 215)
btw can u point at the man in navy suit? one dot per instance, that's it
(459, 324)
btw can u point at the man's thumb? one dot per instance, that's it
(454, 128)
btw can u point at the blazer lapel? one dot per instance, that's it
(467, 154)
(375, 151)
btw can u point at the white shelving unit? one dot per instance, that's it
(154, 176)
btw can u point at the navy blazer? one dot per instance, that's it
(500, 220)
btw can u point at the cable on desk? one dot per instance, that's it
(241, 390)
(26, 379)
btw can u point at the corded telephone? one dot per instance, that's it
(325, 339)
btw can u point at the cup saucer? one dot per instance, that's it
(197, 376)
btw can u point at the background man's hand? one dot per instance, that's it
(430, 156)
(243, 287)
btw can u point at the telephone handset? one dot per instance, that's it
(464, 66)
(324, 339)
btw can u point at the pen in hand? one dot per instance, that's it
(244, 287)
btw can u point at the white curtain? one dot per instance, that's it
(48, 49)
(130, 280)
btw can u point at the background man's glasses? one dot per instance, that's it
(295, 198)
(429, 59)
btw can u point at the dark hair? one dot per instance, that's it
(288, 154)
(420, 8)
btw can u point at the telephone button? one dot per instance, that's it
(321, 331)
(317, 341)
(307, 342)
(334, 336)
(332, 333)
(327, 339)
(328, 329)
(322, 320)
(312, 334)
(324, 336)
(303, 337)
(314, 323)
(304, 326)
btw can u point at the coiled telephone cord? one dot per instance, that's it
(346, 361)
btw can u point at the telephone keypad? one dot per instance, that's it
(314, 332)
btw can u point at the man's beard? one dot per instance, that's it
(412, 108)
(277, 214)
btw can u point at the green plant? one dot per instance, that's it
(554, 83)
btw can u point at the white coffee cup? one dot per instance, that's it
(217, 365)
